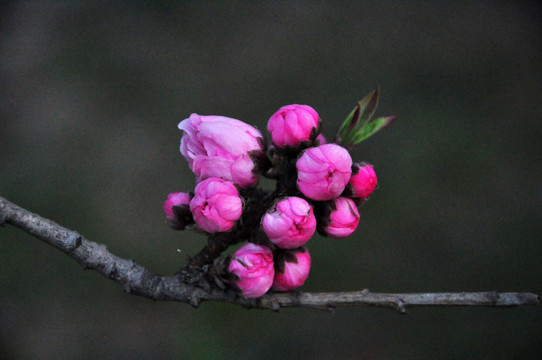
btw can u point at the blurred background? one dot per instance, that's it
(90, 97)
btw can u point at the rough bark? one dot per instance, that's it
(136, 279)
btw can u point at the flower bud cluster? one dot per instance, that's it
(319, 188)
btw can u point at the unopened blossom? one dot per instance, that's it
(322, 139)
(175, 199)
(291, 269)
(342, 220)
(252, 269)
(177, 210)
(363, 181)
(292, 124)
(218, 146)
(323, 171)
(216, 205)
(290, 224)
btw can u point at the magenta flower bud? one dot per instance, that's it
(291, 269)
(218, 146)
(216, 205)
(292, 124)
(290, 223)
(252, 269)
(177, 210)
(323, 171)
(342, 220)
(175, 199)
(363, 181)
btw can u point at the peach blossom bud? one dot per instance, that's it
(218, 146)
(343, 219)
(290, 223)
(252, 269)
(322, 139)
(292, 124)
(216, 205)
(291, 269)
(323, 171)
(363, 181)
(177, 210)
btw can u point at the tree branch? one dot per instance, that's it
(136, 279)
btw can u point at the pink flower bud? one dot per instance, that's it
(177, 210)
(175, 198)
(343, 219)
(252, 269)
(292, 124)
(290, 224)
(291, 269)
(322, 139)
(216, 205)
(363, 181)
(218, 146)
(323, 171)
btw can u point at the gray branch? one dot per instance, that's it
(136, 279)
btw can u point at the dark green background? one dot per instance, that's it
(91, 94)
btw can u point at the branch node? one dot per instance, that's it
(275, 305)
(194, 301)
(401, 306)
(495, 297)
(127, 288)
(73, 241)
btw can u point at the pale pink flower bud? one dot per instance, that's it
(322, 139)
(292, 124)
(363, 181)
(343, 219)
(252, 269)
(290, 224)
(218, 146)
(323, 171)
(177, 210)
(216, 205)
(291, 269)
